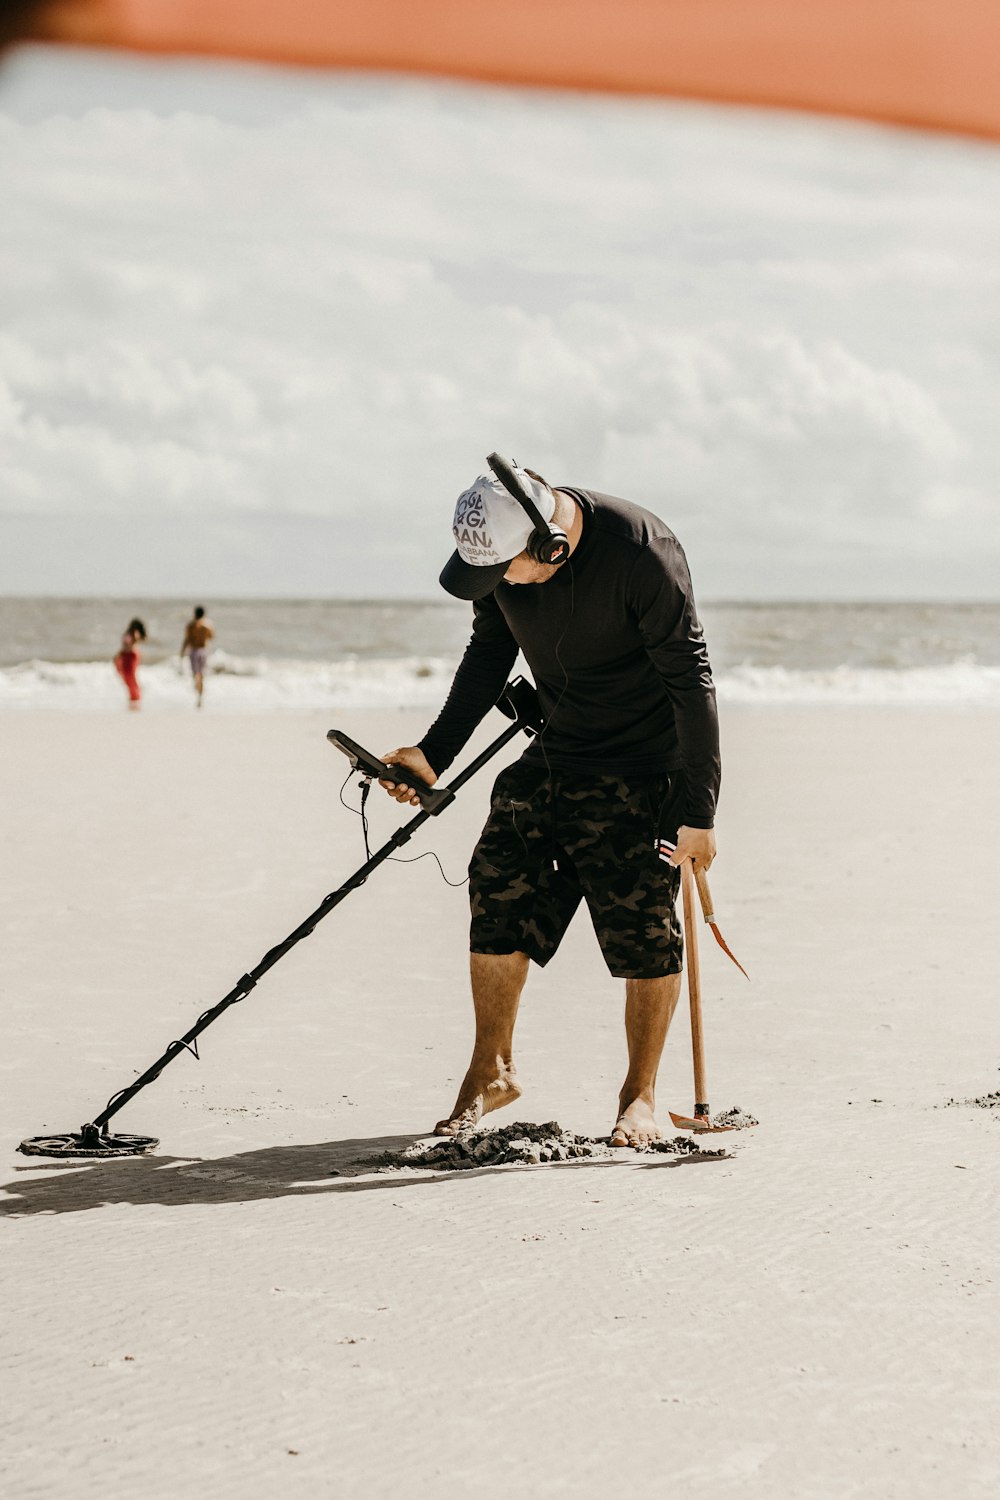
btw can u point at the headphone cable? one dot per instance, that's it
(366, 786)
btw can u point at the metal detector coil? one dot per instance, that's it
(95, 1146)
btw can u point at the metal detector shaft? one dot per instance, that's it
(243, 986)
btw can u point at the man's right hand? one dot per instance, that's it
(414, 760)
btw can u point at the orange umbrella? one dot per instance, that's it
(914, 62)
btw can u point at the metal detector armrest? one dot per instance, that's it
(432, 799)
(519, 701)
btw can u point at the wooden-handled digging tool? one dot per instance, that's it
(701, 1120)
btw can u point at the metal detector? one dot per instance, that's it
(518, 701)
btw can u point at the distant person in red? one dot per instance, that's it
(127, 661)
(194, 646)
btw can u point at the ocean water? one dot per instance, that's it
(270, 654)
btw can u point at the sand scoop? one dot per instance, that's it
(701, 1121)
(518, 702)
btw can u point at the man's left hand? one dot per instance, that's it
(695, 844)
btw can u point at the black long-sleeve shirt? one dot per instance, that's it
(615, 647)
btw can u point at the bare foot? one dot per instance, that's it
(479, 1096)
(636, 1125)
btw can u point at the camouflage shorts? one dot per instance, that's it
(550, 841)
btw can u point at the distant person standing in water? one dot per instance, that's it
(195, 647)
(127, 661)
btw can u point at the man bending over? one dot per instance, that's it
(629, 754)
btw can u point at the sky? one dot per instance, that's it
(259, 328)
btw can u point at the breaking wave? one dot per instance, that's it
(962, 683)
(232, 683)
(263, 684)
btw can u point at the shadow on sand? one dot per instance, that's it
(52, 1187)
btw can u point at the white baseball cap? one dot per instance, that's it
(491, 528)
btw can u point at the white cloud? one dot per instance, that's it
(331, 299)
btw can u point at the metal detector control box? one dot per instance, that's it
(432, 799)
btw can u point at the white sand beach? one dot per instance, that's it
(252, 1311)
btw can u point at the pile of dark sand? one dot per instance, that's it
(735, 1118)
(521, 1144)
(985, 1101)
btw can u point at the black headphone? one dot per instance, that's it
(547, 543)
